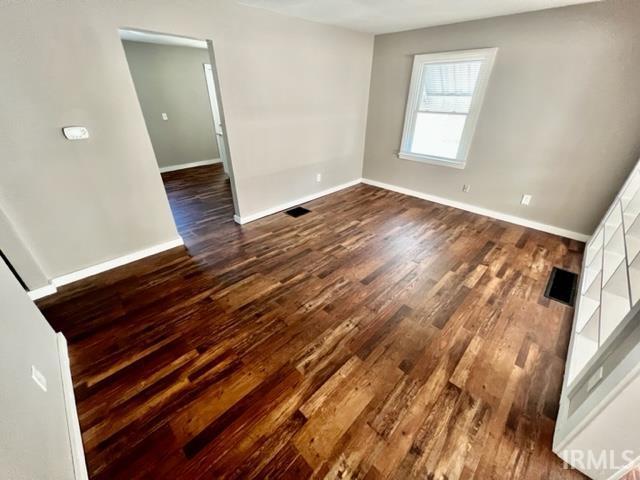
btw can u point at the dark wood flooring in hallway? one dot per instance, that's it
(379, 336)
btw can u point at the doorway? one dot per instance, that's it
(176, 83)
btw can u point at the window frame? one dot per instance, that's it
(487, 57)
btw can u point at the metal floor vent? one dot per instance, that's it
(562, 286)
(297, 212)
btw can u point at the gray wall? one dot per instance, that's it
(295, 96)
(34, 443)
(560, 121)
(170, 79)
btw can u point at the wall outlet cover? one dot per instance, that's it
(466, 188)
(165, 116)
(526, 199)
(318, 177)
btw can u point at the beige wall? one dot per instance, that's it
(295, 97)
(560, 121)
(35, 438)
(170, 79)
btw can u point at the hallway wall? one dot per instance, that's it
(170, 79)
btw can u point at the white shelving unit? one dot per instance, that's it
(602, 378)
(610, 278)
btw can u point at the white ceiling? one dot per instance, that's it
(384, 16)
(133, 35)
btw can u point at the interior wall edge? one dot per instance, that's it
(17, 251)
(242, 219)
(103, 267)
(73, 422)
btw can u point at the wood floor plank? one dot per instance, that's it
(379, 336)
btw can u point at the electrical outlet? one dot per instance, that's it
(526, 200)
(466, 188)
(165, 116)
(39, 378)
(318, 177)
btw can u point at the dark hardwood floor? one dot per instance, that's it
(379, 336)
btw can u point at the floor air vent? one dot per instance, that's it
(562, 286)
(297, 212)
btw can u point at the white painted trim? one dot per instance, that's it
(136, 35)
(284, 206)
(73, 425)
(42, 292)
(487, 56)
(431, 160)
(116, 262)
(481, 211)
(625, 470)
(182, 166)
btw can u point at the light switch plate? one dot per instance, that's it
(75, 133)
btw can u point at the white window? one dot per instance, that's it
(444, 104)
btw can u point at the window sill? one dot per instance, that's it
(431, 160)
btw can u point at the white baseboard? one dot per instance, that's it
(132, 257)
(101, 267)
(481, 211)
(73, 424)
(284, 206)
(182, 166)
(116, 262)
(42, 292)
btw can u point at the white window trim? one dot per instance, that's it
(487, 56)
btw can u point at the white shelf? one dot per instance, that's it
(610, 289)
(610, 275)
(594, 247)
(631, 189)
(630, 199)
(612, 260)
(614, 302)
(590, 274)
(593, 292)
(589, 301)
(614, 250)
(593, 265)
(633, 247)
(634, 279)
(587, 307)
(613, 222)
(629, 219)
(585, 345)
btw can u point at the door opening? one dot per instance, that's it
(176, 83)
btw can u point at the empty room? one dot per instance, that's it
(250, 239)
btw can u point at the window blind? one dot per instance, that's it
(448, 87)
